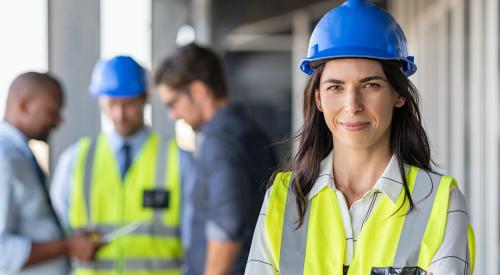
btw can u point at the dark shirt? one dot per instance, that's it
(232, 165)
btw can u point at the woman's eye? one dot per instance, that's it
(334, 88)
(372, 85)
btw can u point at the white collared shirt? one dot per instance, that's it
(25, 215)
(451, 258)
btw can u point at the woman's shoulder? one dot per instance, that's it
(434, 181)
(280, 182)
(433, 177)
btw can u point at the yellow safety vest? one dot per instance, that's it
(101, 200)
(390, 242)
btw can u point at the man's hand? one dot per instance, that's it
(83, 246)
(221, 256)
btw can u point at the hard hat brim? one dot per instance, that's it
(409, 67)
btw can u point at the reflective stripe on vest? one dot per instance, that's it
(102, 201)
(390, 242)
(132, 264)
(152, 229)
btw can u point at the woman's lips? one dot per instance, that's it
(355, 126)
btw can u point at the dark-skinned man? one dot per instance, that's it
(31, 238)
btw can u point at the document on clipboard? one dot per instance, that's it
(122, 231)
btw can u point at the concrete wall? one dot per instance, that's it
(456, 48)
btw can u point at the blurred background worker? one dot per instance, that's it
(129, 177)
(232, 160)
(31, 239)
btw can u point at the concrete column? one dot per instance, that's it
(202, 20)
(458, 84)
(492, 136)
(167, 17)
(301, 28)
(73, 51)
(480, 214)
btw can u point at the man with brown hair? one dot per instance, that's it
(232, 161)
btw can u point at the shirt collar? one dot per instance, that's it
(19, 140)
(135, 141)
(390, 182)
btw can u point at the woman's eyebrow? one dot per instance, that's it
(375, 77)
(366, 79)
(334, 81)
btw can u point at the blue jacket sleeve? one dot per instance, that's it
(228, 187)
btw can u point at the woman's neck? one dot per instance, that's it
(357, 170)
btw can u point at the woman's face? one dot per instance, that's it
(357, 102)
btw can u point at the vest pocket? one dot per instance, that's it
(398, 271)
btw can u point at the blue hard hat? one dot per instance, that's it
(358, 28)
(120, 76)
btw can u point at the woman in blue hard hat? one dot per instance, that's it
(361, 196)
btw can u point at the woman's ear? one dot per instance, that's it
(400, 101)
(317, 97)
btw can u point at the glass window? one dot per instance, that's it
(23, 28)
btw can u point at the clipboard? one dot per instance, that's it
(122, 231)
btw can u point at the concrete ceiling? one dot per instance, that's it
(256, 17)
(263, 24)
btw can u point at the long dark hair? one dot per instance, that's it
(408, 139)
